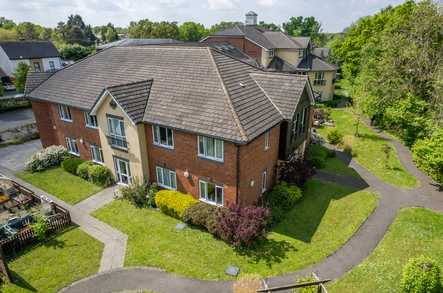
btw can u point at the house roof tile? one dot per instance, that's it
(29, 49)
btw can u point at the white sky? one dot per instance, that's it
(334, 15)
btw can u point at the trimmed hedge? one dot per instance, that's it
(174, 203)
(281, 199)
(421, 274)
(71, 164)
(100, 175)
(83, 170)
(203, 215)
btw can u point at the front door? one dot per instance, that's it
(123, 174)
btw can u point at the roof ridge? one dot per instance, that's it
(301, 76)
(235, 58)
(228, 97)
(129, 83)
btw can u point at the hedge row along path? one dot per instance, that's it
(113, 277)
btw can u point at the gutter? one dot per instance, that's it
(238, 174)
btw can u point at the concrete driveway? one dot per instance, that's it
(14, 157)
(12, 119)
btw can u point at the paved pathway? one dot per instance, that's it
(15, 118)
(363, 242)
(115, 241)
(14, 157)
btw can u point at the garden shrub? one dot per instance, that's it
(318, 155)
(335, 137)
(71, 164)
(281, 199)
(100, 175)
(428, 154)
(83, 169)
(203, 215)
(46, 158)
(421, 274)
(174, 203)
(137, 193)
(40, 228)
(295, 171)
(248, 283)
(317, 161)
(2, 89)
(308, 289)
(240, 226)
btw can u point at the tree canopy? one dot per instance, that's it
(75, 31)
(145, 29)
(303, 27)
(191, 31)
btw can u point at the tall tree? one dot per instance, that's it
(303, 27)
(141, 29)
(75, 31)
(191, 31)
(20, 76)
(145, 29)
(6, 23)
(223, 25)
(165, 30)
(108, 33)
(27, 31)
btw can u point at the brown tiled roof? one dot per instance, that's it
(34, 79)
(197, 89)
(284, 90)
(132, 97)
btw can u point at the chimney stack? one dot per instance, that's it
(251, 18)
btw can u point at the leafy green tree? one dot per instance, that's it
(302, 27)
(428, 154)
(75, 31)
(269, 26)
(6, 23)
(75, 52)
(223, 25)
(165, 30)
(191, 31)
(108, 33)
(27, 31)
(145, 29)
(8, 35)
(141, 29)
(20, 76)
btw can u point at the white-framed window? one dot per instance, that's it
(116, 128)
(210, 148)
(271, 53)
(37, 67)
(267, 143)
(264, 181)
(211, 193)
(301, 53)
(166, 178)
(163, 136)
(304, 119)
(296, 125)
(96, 154)
(51, 65)
(122, 171)
(319, 78)
(65, 113)
(71, 145)
(90, 120)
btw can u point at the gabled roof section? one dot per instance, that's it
(255, 111)
(302, 41)
(132, 98)
(312, 62)
(279, 65)
(34, 79)
(29, 49)
(323, 53)
(285, 90)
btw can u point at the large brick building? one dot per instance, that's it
(277, 51)
(193, 119)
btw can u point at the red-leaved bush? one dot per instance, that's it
(240, 226)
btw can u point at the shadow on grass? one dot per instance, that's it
(18, 281)
(303, 221)
(268, 250)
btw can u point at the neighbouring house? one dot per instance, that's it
(277, 51)
(194, 119)
(41, 56)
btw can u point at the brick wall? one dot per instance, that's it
(47, 117)
(184, 157)
(241, 43)
(254, 159)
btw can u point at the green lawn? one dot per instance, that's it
(415, 232)
(65, 186)
(319, 225)
(368, 150)
(50, 266)
(331, 165)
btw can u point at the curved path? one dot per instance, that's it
(358, 247)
